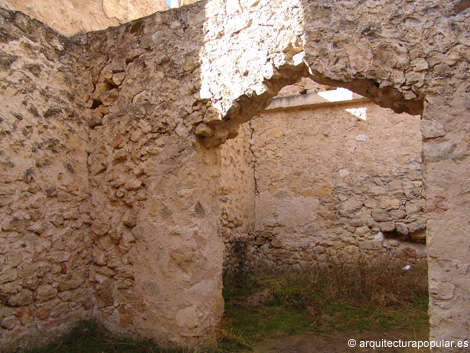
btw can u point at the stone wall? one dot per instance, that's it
(69, 16)
(405, 55)
(336, 181)
(237, 197)
(135, 225)
(189, 71)
(157, 260)
(44, 191)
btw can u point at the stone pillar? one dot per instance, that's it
(446, 133)
(177, 259)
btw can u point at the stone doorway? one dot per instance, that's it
(332, 177)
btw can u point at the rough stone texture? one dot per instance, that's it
(403, 55)
(192, 66)
(152, 183)
(322, 194)
(43, 184)
(70, 17)
(237, 196)
(304, 86)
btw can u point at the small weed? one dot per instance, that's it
(224, 341)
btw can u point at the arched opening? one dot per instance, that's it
(324, 177)
(359, 162)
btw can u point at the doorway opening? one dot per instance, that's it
(332, 194)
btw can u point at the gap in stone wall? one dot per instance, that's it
(333, 178)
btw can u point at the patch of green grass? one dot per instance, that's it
(369, 318)
(255, 324)
(91, 337)
(362, 298)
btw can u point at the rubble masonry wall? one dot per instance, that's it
(44, 189)
(188, 72)
(332, 186)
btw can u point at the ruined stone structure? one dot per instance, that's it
(116, 164)
(335, 179)
(312, 181)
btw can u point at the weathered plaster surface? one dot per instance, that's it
(204, 69)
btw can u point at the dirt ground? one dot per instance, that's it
(336, 343)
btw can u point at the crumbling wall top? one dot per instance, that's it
(69, 17)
